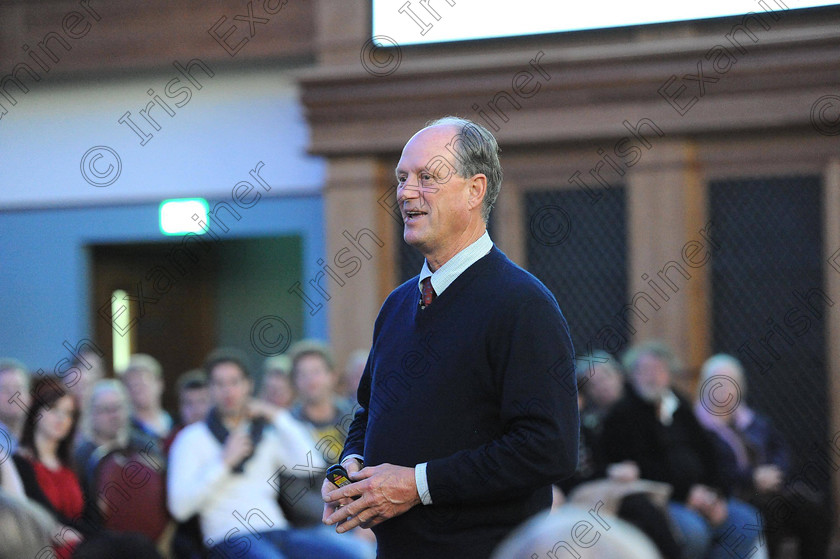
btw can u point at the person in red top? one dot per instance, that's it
(43, 460)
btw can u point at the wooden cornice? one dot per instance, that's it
(590, 91)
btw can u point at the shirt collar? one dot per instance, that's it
(667, 406)
(455, 266)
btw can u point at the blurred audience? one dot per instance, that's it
(14, 401)
(44, 460)
(642, 503)
(669, 476)
(756, 461)
(125, 545)
(277, 388)
(193, 406)
(652, 434)
(26, 529)
(327, 415)
(353, 369)
(193, 397)
(576, 532)
(143, 378)
(91, 369)
(592, 373)
(219, 469)
(105, 432)
(319, 405)
(104, 427)
(10, 482)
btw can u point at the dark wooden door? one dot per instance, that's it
(170, 301)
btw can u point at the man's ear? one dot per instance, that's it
(477, 189)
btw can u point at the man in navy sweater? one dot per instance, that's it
(468, 404)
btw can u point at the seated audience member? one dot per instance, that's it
(601, 380)
(14, 401)
(576, 532)
(277, 388)
(600, 386)
(91, 370)
(193, 397)
(104, 427)
(193, 406)
(193, 401)
(652, 433)
(642, 503)
(327, 416)
(10, 482)
(106, 445)
(319, 406)
(353, 369)
(221, 468)
(44, 461)
(755, 459)
(143, 379)
(26, 529)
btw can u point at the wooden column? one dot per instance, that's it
(510, 230)
(359, 236)
(669, 252)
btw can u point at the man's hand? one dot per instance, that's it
(237, 446)
(352, 466)
(261, 408)
(384, 491)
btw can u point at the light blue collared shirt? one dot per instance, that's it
(455, 266)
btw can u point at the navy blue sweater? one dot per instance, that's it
(479, 384)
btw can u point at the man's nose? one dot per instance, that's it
(409, 190)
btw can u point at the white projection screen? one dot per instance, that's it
(416, 22)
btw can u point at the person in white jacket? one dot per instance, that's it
(222, 469)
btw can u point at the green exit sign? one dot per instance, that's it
(182, 216)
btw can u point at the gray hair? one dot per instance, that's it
(713, 363)
(654, 348)
(26, 529)
(548, 535)
(10, 364)
(476, 152)
(143, 362)
(101, 387)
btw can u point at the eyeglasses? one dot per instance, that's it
(108, 409)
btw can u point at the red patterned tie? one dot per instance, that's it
(428, 291)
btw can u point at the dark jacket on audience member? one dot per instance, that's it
(681, 454)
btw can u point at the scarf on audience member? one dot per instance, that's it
(218, 429)
(731, 434)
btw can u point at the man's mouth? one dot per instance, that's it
(412, 215)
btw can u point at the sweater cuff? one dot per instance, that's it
(422, 483)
